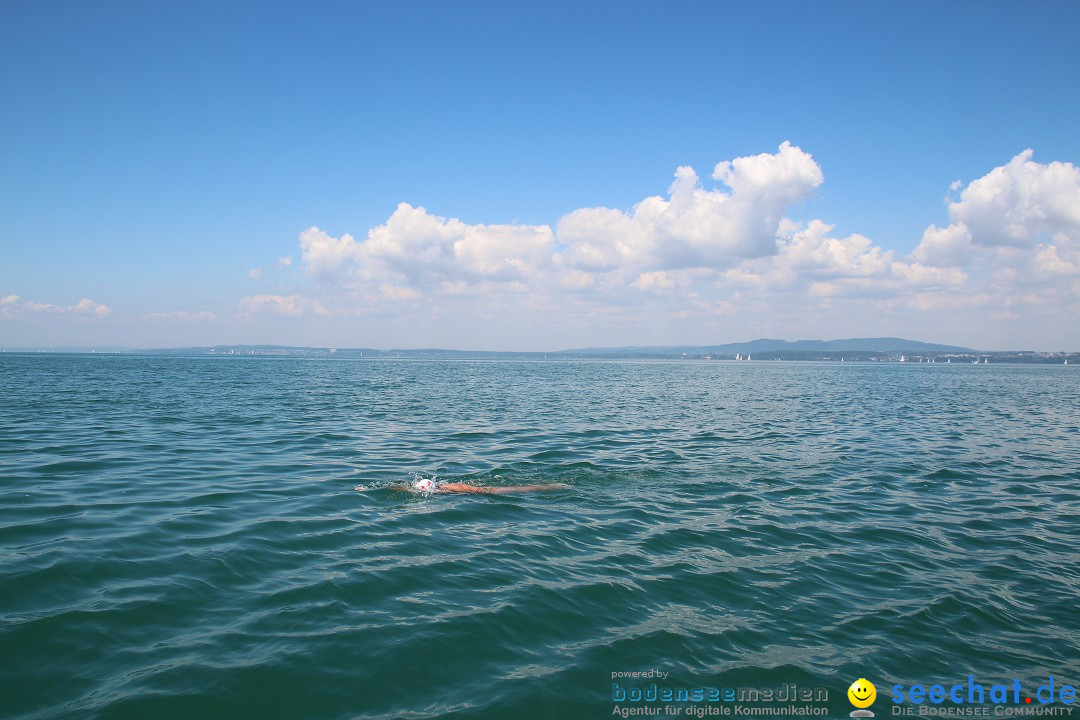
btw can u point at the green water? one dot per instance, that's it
(182, 538)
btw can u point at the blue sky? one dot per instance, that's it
(160, 164)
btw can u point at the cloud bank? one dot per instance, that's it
(708, 260)
(1010, 250)
(11, 308)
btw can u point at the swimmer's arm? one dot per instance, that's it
(528, 488)
(460, 488)
(466, 488)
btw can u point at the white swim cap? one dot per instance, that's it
(425, 485)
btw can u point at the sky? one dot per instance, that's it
(538, 176)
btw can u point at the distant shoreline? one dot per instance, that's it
(916, 357)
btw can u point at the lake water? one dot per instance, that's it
(181, 535)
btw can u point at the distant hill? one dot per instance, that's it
(885, 345)
(862, 345)
(851, 349)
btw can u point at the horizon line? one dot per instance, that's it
(119, 349)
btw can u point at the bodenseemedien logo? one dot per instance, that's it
(862, 694)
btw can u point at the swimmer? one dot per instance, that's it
(467, 488)
(429, 487)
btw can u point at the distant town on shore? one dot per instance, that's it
(848, 350)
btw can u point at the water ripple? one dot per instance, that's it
(181, 536)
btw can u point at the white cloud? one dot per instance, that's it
(285, 261)
(1049, 260)
(919, 276)
(809, 260)
(326, 256)
(1021, 204)
(945, 247)
(255, 273)
(1017, 226)
(285, 306)
(721, 254)
(416, 253)
(658, 280)
(695, 227)
(593, 249)
(423, 248)
(811, 254)
(85, 308)
(398, 293)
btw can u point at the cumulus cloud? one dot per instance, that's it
(695, 227)
(810, 254)
(418, 249)
(10, 307)
(255, 273)
(87, 307)
(1021, 204)
(1016, 226)
(590, 248)
(945, 247)
(326, 256)
(723, 251)
(810, 261)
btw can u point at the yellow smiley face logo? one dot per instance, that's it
(862, 693)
